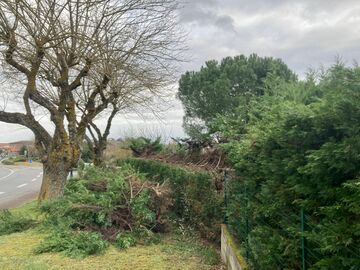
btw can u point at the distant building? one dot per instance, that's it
(13, 149)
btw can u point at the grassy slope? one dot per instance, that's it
(173, 252)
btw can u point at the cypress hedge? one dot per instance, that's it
(195, 198)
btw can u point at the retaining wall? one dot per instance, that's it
(230, 253)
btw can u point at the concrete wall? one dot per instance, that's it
(230, 253)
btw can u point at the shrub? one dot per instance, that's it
(116, 204)
(10, 223)
(300, 152)
(8, 162)
(102, 200)
(124, 240)
(73, 243)
(195, 198)
(143, 146)
(20, 159)
(174, 149)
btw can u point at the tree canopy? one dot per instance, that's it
(220, 88)
(300, 150)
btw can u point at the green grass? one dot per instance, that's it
(177, 250)
(191, 246)
(29, 210)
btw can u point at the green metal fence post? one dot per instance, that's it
(303, 240)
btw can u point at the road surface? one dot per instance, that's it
(18, 185)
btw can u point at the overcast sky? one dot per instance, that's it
(304, 33)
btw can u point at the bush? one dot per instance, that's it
(174, 149)
(93, 199)
(195, 198)
(300, 152)
(143, 146)
(87, 154)
(116, 204)
(20, 159)
(124, 240)
(10, 223)
(73, 243)
(8, 162)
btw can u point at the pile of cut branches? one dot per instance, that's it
(115, 205)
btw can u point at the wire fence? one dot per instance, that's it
(275, 235)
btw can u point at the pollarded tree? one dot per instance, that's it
(53, 47)
(97, 141)
(221, 88)
(137, 93)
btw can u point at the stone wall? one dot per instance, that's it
(230, 253)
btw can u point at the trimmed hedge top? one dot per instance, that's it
(195, 198)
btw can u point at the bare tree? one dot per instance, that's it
(55, 47)
(137, 96)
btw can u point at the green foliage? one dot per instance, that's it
(124, 240)
(73, 243)
(219, 89)
(300, 149)
(195, 199)
(174, 149)
(143, 146)
(23, 150)
(87, 154)
(10, 223)
(102, 204)
(141, 210)
(8, 162)
(20, 159)
(13, 160)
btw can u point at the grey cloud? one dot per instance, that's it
(225, 22)
(205, 13)
(309, 7)
(303, 33)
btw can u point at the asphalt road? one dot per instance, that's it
(18, 185)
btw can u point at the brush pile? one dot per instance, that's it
(105, 206)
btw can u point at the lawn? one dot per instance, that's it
(178, 250)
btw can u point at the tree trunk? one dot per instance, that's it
(56, 169)
(54, 179)
(98, 159)
(99, 151)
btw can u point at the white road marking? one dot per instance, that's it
(2, 193)
(38, 176)
(11, 173)
(41, 173)
(23, 185)
(33, 180)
